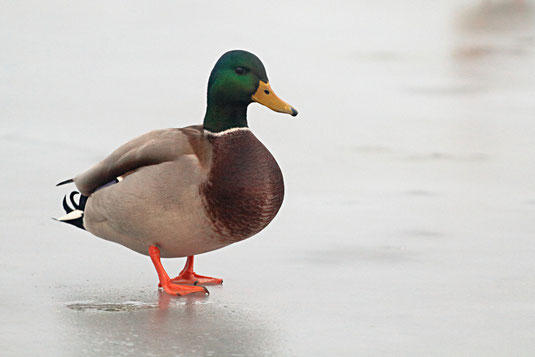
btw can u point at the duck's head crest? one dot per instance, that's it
(238, 79)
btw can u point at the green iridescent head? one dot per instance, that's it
(238, 79)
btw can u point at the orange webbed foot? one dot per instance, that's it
(181, 290)
(196, 279)
(169, 287)
(188, 277)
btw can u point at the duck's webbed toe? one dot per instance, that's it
(196, 279)
(188, 277)
(181, 290)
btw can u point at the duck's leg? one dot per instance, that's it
(165, 282)
(188, 276)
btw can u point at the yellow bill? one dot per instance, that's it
(265, 96)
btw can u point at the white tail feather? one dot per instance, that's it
(72, 215)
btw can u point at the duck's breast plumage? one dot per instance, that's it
(244, 188)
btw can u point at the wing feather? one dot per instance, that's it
(153, 148)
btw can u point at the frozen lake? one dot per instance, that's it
(408, 226)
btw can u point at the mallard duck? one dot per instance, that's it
(181, 192)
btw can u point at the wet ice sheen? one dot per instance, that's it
(110, 307)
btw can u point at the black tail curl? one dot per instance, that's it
(79, 206)
(78, 222)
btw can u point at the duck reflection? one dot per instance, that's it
(192, 325)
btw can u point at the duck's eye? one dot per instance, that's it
(240, 70)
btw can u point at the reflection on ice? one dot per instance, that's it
(174, 326)
(110, 307)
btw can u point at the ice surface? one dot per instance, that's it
(408, 224)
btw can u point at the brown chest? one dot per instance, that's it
(244, 189)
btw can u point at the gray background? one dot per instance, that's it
(408, 225)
